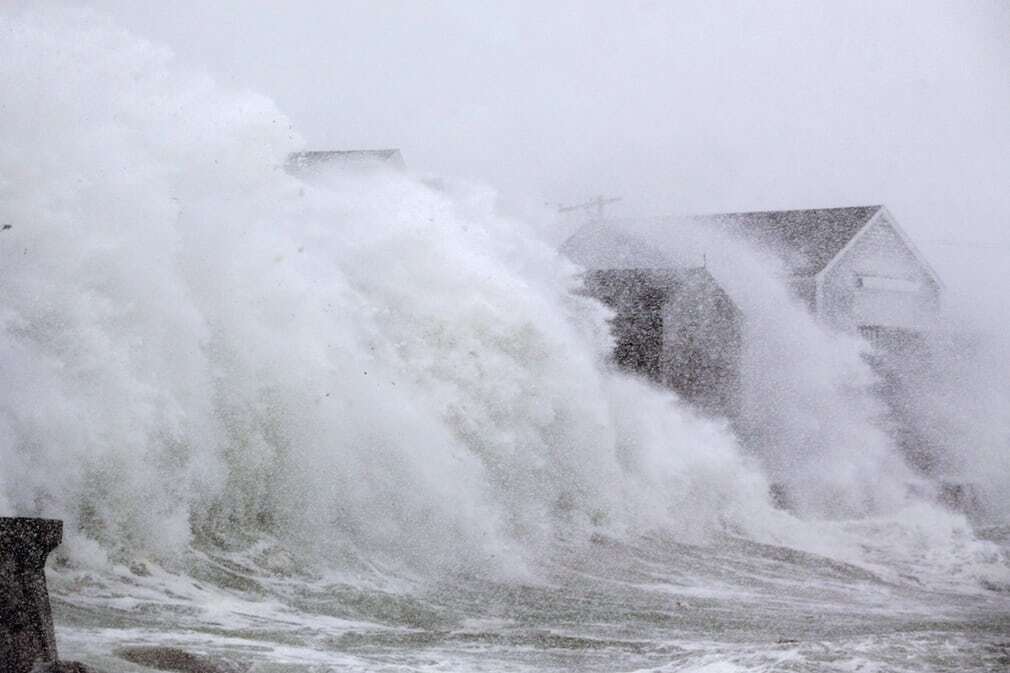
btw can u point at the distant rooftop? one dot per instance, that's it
(806, 240)
(315, 158)
(609, 245)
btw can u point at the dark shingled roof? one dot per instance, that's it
(312, 158)
(806, 240)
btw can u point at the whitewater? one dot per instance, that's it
(366, 420)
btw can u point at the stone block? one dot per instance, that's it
(26, 621)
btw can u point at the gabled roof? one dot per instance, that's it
(314, 158)
(806, 240)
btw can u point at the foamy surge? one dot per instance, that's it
(201, 348)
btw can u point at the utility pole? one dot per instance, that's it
(599, 203)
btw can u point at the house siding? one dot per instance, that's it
(702, 344)
(878, 282)
(805, 289)
(679, 329)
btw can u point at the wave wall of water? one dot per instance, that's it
(200, 349)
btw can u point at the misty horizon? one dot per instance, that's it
(689, 108)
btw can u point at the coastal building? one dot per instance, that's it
(854, 268)
(672, 324)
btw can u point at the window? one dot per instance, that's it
(887, 283)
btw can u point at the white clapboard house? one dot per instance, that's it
(855, 268)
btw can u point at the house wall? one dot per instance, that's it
(702, 347)
(637, 325)
(805, 289)
(878, 282)
(679, 330)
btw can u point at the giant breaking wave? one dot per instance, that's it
(200, 349)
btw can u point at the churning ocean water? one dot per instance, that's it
(365, 421)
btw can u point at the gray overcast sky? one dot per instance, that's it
(680, 106)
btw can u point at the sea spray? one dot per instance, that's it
(204, 353)
(199, 342)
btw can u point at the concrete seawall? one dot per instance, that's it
(26, 621)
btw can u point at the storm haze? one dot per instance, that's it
(327, 410)
(675, 107)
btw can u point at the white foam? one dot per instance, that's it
(200, 349)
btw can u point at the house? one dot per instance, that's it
(855, 268)
(672, 324)
(314, 160)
